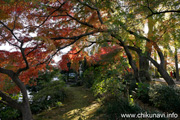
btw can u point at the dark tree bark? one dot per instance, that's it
(144, 68)
(24, 107)
(165, 60)
(160, 67)
(176, 65)
(164, 74)
(130, 59)
(26, 111)
(155, 70)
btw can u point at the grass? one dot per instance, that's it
(80, 105)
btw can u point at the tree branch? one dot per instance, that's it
(166, 11)
(11, 30)
(9, 101)
(84, 23)
(94, 8)
(26, 62)
(76, 37)
(51, 14)
(10, 42)
(83, 48)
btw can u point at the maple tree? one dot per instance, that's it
(28, 54)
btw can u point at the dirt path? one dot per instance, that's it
(80, 105)
(163, 81)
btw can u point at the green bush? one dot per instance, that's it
(114, 107)
(90, 75)
(108, 79)
(9, 113)
(51, 94)
(166, 98)
(143, 92)
(43, 78)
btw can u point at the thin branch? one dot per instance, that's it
(99, 16)
(48, 60)
(9, 42)
(52, 13)
(149, 7)
(166, 11)
(83, 48)
(26, 62)
(9, 101)
(24, 58)
(94, 8)
(133, 33)
(11, 30)
(84, 23)
(48, 15)
(76, 37)
(16, 17)
(32, 50)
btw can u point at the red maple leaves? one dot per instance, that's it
(99, 57)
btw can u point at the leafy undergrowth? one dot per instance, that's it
(79, 105)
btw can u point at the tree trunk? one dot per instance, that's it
(155, 69)
(24, 107)
(144, 68)
(165, 60)
(26, 112)
(162, 71)
(177, 69)
(166, 76)
(160, 67)
(131, 61)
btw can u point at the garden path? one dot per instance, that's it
(79, 105)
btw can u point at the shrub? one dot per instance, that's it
(43, 78)
(166, 98)
(9, 113)
(143, 92)
(51, 94)
(90, 75)
(108, 80)
(114, 107)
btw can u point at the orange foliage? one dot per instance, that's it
(50, 22)
(74, 58)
